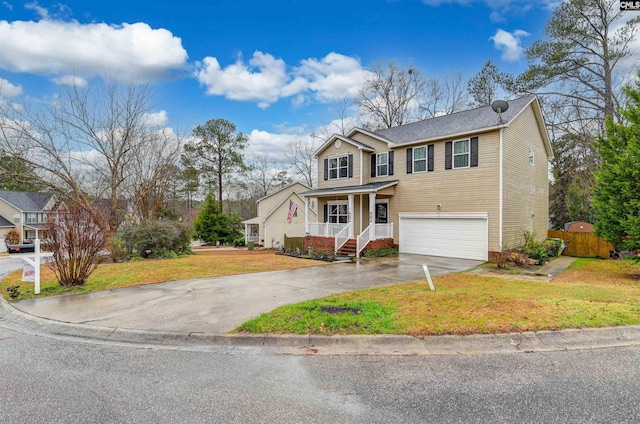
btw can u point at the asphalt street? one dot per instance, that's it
(46, 380)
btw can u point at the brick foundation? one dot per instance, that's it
(320, 243)
(329, 243)
(379, 244)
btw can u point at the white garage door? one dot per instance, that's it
(453, 235)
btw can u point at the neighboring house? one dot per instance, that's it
(279, 214)
(462, 185)
(578, 227)
(24, 212)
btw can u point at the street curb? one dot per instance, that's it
(525, 342)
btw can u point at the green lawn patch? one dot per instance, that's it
(326, 317)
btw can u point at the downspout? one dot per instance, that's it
(500, 246)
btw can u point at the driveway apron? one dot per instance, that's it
(220, 304)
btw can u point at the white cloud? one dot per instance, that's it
(333, 77)
(40, 11)
(71, 80)
(155, 119)
(266, 79)
(500, 8)
(270, 144)
(9, 90)
(509, 43)
(7, 5)
(133, 52)
(261, 80)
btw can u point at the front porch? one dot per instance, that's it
(328, 237)
(353, 218)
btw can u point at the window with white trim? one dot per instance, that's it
(461, 153)
(531, 158)
(338, 167)
(32, 218)
(420, 159)
(382, 164)
(16, 218)
(338, 213)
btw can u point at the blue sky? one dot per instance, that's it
(277, 69)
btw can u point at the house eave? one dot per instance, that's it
(348, 190)
(333, 138)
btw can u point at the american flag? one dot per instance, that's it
(293, 211)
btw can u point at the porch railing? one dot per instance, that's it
(254, 239)
(372, 232)
(342, 236)
(363, 239)
(384, 230)
(326, 229)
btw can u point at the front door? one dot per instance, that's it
(382, 211)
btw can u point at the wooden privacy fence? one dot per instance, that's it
(583, 245)
(291, 244)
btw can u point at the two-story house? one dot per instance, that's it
(24, 212)
(462, 185)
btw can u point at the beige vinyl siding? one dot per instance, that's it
(7, 212)
(332, 151)
(525, 187)
(267, 204)
(276, 225)
(379, 147)
(474, 189)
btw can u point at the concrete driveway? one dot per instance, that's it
(218, 305)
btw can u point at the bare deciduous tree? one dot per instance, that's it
(153, 174)
(300, 156)
(390, 97)
(444, 96)
(83, 144)
(76, 237)
(264, 176)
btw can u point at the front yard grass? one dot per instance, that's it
(591, 293)
(146, 271)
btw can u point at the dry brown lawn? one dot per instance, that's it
(146, 271)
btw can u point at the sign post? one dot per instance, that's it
(35, 262)
(428, 275)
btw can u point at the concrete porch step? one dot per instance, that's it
(349, 248)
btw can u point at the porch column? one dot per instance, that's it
(372, 213)
(361, 227)
(351, 216)
(246, 234)
(306, 215)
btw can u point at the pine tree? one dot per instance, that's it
(617, 195)
(212, 225)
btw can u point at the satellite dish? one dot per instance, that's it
(499, 106)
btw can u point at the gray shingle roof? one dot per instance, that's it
(463, 122)
(26, 202)
(5, 223)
